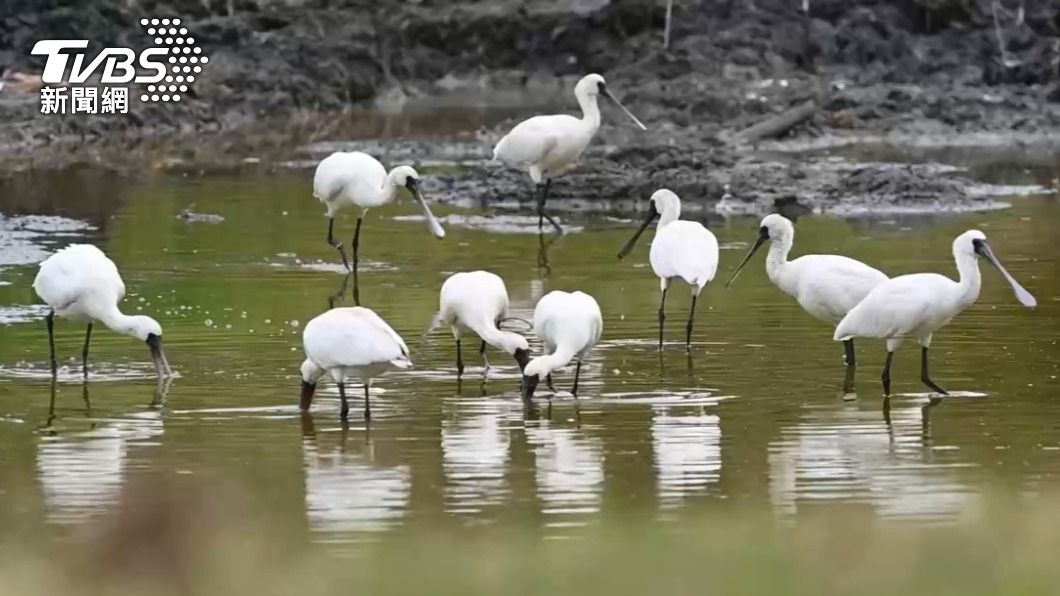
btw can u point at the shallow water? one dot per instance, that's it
(752, 415)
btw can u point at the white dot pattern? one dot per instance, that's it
(180, 52)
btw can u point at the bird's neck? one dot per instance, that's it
(971, 281)
(117, 321)
(557, 359)
(388, 190)
(777, 258)
(670, 214)
(493, 336)
(590, 112)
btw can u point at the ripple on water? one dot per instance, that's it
(687, 454)
(100, 372)
(498, 224)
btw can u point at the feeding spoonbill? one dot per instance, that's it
(477, 301)
(569, 324)
(919, 304)
(79, 282)
(349, 342)
(547, 146)
(681, 250)
(826, 286)
(359, 180)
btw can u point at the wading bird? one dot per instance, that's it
(80, 282)
(547, 146)
(569, 325)
(348, 343)
(919, 304)
(681, 250)
(477, 301)
(357, 179)
(826, 286)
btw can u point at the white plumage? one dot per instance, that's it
(682, 250)
(568, 324)
(477, 301)
(348, 343)
(919, 304)
(356, 179)
(80, 282)
(547, 146)
(826, 286)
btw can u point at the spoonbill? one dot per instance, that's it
(80, 282)
(349, 342)
(919, 304)
(547, 146)
(477, 301)
(358, 179)
(681, 250)
(569, 324)
(826, 286)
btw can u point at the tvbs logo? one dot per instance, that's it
(167, 69)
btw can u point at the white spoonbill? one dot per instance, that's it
(547, 146)
(80, 282)
(477, 301)
(569, 324)
(359, 180)
(919, 304)
(681, 250)
(349, 342)
(826, 286)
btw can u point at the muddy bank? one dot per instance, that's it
(284, 74)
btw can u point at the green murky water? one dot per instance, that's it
(751, 416)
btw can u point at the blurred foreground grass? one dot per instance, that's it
(181, 537)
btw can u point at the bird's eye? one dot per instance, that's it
(763, 232)
(600, 87)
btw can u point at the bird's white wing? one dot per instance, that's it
(531, 140)
(831, 285)
(353, 337)
(340, 170)
(687, 250)
(75, 272)
(475, 297)
(894, 308)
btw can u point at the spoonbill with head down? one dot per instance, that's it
(919, 304)
(359, 180)
(569, 324)
(477, 301)
(547, 146)
(349, 342)
(826, 286)
(681, 250)
(80, 282)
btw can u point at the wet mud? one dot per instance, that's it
(288, 80)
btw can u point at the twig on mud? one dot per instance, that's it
(777, 125)
(669, 18)
(1000, 37)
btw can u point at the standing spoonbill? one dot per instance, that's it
(349, 342)
(681, 250)
(547, 146)
(79, 282)
(919, 304)
(477, 301)
(569, 324)
(358, 179)
(826, 286)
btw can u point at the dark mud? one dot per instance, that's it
(286, 74)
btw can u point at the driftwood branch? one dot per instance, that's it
(777, 125)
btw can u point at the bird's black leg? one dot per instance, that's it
(485, 361)
(367, 404)
(688, 328)
(548, 381)
(848, 347)
(541, 200)
(924, 376)
(662, 317)
(887, 375)
(84, 351)
(344, 413)
(577, 373)
(459, 361)
(50, 320)
(336, 243)
(356, 259)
